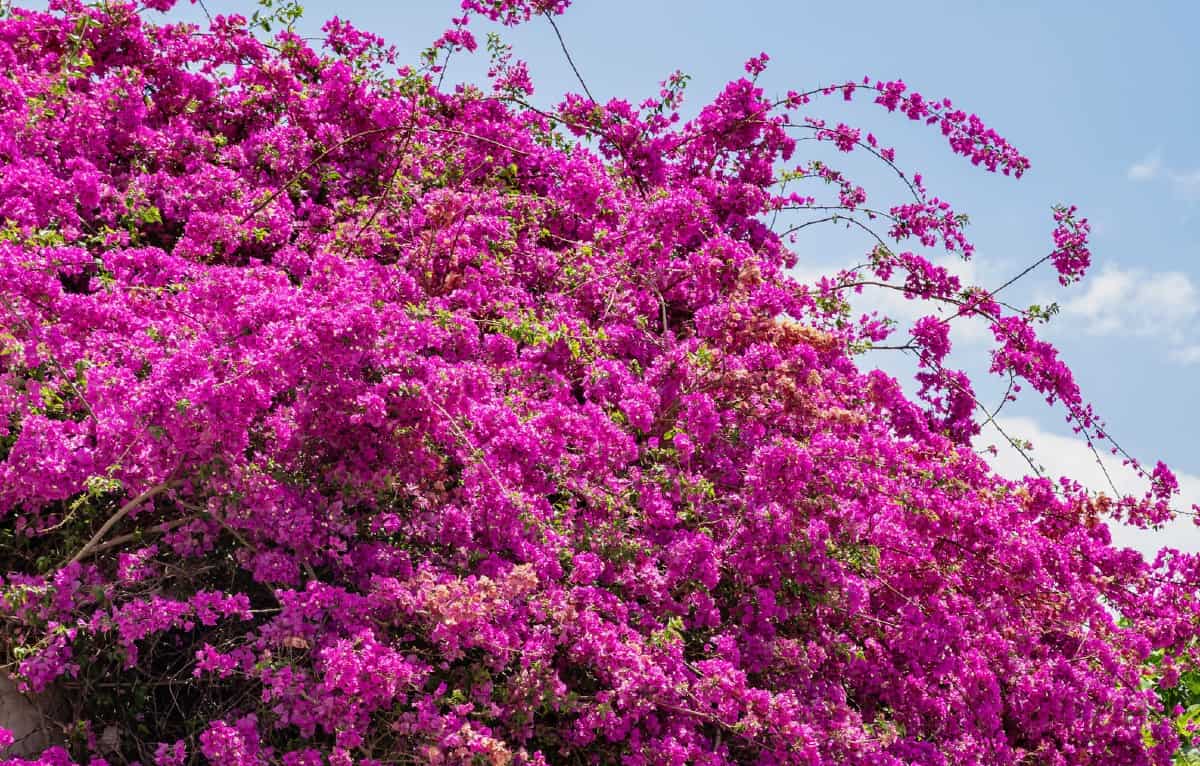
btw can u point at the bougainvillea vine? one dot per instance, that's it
(349, 417)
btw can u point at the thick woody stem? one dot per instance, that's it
(121, 513)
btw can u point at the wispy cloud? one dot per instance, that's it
(1137, 303)
(1187, 354)
(1147, 169)
(1070, 456)
(1184, 183)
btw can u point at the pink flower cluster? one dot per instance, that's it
(349, 419)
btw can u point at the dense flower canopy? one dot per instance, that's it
(350, 418)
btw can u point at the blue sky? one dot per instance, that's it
(1102, 96)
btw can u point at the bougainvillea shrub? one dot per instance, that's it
(351, 417)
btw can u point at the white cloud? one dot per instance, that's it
(1147, 169)
(1133, 302)
(1186, 354)
(1185, 183)
(1070, 456)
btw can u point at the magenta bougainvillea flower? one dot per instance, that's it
(351, 418)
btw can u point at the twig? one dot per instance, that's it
(158, 529)
(316, 161)
(121, 513)
(562, 43)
